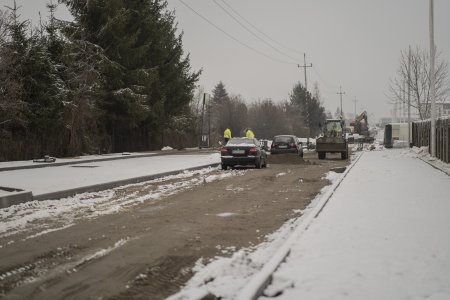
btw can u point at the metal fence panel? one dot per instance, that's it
(421, 132)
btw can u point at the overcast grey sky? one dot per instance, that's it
(353, 43)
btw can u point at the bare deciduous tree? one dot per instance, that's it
(268, 119)
(418, 78)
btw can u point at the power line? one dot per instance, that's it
(233, 38)
(260, 31)
(251, 32)
(323, 81)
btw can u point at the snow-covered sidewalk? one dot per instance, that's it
(30, 164)
(384, 234)
(43, 181)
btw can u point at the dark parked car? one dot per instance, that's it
(286, 144)
(243, 151)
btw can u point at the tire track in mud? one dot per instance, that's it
(32, 219)
(48, 267)
(173, 269)
(166, 237)
(30, 271)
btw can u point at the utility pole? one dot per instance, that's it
(402, 104)
(341, 93)
(355, 106)
(304, 67)
(432, 82)
(395, 111)
(209, 124)
(203, 117)
(306, 96)
(409, 96)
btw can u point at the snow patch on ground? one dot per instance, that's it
(225, 214)
(35, 215)
(103, 252)
(423, 154)
(236, 189)
(225, 276)
(382, 235)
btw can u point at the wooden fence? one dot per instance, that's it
(421, 137)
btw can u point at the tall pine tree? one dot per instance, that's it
(148, 80)
(220, 93)
(310, 108)
(13, 108)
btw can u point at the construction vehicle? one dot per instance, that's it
(361, 127)
(332, 139)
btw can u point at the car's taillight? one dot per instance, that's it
(273, 145)
(252, 150)
(292, 145)
(224, 151)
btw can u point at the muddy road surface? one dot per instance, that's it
(141, 241)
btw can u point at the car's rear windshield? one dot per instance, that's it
(283, 139)
(235, 141)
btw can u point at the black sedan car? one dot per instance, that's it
(286, 144)
(243, 151)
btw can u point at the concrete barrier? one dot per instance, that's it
(14, 196)
(112, 184)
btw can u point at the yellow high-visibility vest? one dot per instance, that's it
(227, 133)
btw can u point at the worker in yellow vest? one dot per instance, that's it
(227, 135)
(249, 133)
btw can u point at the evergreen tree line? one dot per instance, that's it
(115, 79)
(301, 115)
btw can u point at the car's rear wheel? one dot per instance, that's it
(344, 155)
(321, 154)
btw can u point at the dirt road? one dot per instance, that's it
(147, 250)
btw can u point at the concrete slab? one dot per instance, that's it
(12, 196)
(68, 180)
